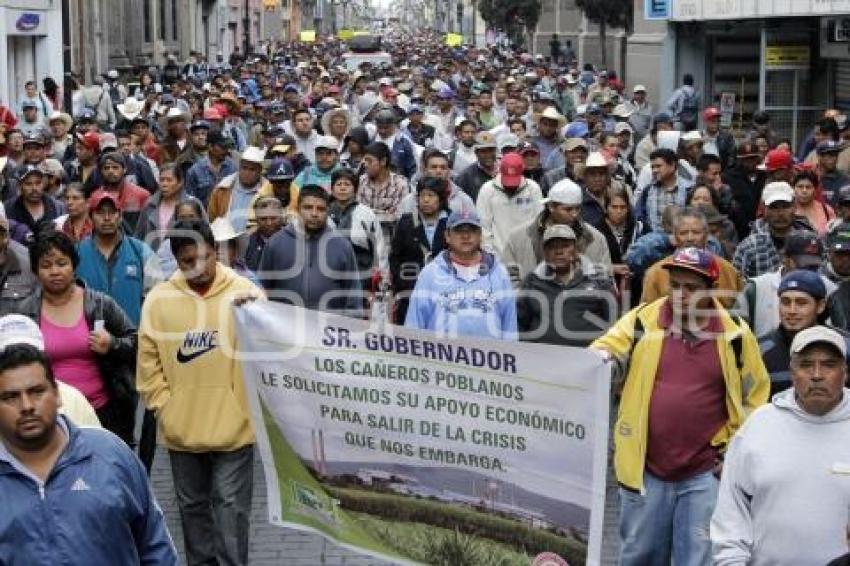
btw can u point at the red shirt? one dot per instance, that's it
(688, 404)
(131, 198)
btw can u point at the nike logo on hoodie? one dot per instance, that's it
(196, 344)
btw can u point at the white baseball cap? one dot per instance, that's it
(253, 154)
(20, 329)
(816, 334)
(777, 191)
(566, 192)
(639, 88)
(596, 159)
(327, 142)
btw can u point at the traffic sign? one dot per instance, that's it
(657, 9)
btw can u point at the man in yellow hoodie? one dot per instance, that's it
(693, 374)
(188, 374)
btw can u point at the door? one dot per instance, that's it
(22, 67)
(789, 92)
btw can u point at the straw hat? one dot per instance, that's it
(551, 114)
(63, 117)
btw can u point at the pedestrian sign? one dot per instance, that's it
(657, 9)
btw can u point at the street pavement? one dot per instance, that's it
(270, 545)
(275, 546)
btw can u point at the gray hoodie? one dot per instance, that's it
(785, 491)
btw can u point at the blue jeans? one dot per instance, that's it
(668, 524)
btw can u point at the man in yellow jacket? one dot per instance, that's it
(693, 374)
(188, 374)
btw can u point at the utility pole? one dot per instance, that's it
(246, 29)
(474, 23)
(66, 53)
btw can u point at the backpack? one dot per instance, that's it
(689, 114)
(94, 107)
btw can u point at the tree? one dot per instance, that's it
(605, 14)
(514, 16)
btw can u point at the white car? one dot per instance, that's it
(353, 60)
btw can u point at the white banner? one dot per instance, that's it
(404, 445)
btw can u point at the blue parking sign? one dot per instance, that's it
(657, 10)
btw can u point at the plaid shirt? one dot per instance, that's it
(757, 254)
(660, 198)
(383, 199)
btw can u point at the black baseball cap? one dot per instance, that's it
(806, 248)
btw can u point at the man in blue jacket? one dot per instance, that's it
(113, 262)
(69, 495)
(309, 264)
(465, 291)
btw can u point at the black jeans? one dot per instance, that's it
(214, 492)
(118, 418)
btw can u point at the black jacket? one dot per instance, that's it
(746, 195)
(839, 306)
(317, 271)
(471, 179)
(422, 134)
(118, 366)
(582, 314)
(16, 210)
(727, 149)
(409, 252)
(776, 352)
(17, 281)
(634, 228)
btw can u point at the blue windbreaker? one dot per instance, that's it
(95, 509)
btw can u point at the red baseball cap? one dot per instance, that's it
(91, 140)
(698, 261)
(777, 159)
(101, 195)
(710, 113)
(212, 114)
(511, 169)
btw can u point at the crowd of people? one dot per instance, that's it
(466, 191)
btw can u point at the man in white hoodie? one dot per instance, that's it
(785, 491)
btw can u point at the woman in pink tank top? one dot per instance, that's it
(84, 332)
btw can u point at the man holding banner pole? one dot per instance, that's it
(188, 374)
(693, 373)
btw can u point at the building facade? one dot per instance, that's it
(30, 45)
(106, 34)
(564, 18)
(790, 58)
(282, 19)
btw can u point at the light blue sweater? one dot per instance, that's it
(450, 306)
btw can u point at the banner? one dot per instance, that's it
(308, 36)
(414, 448)
(454, 39)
